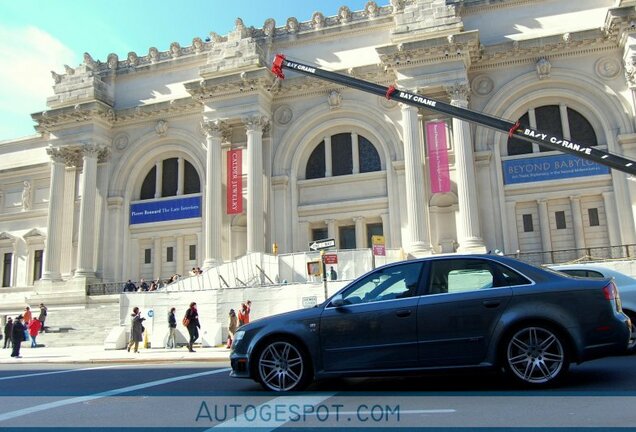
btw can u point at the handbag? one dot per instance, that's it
(186, 321)
(143, 329)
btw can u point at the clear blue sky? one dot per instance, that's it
(37, 36)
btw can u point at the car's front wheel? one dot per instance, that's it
(536, 355)
(631, 345)
(282, 366)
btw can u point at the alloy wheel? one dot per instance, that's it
(281, 367)
(536, 355)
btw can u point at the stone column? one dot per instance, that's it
(511, 239)
(331, 228)
(157, 254)
(180, 175)
(386, 230)
(468, 231)
(355, 153)
(115, 207)
(158, 179)
(180, 255)
(544, 225)
(419, 243)
(214, 131)
(53, 245)
(611, 216)
(360, 234)
(577, 221)
(87, 228)
(255, 126)
(328, 159)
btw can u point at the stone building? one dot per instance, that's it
(149, 164)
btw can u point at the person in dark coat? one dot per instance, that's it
(172, 328)
(17, 336)
(8, 329)
(136, 329)
(193, 324)
(42, 317)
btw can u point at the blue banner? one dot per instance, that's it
(549, 168)
(165, 210)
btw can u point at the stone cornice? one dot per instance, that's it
(94, 111)
(319, 26)
(166, 109)
(242, 82)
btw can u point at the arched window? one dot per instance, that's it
(548, 118)
(342, 160)
(169, 181)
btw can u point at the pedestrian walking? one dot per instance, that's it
(172, 329)
(191, 321)
(42, 317)
(34, 327)
(136, 329)
(244, 313)
(231, 328)
(17, 336)
(8, 329)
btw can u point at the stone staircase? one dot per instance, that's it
(78, 325)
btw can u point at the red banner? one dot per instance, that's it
(438, 156)
(234, 182)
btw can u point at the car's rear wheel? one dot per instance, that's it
(282, 366)
(536, 355)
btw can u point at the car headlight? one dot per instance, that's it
(238, 336)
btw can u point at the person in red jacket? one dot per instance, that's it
(244, 313)
(34, 327)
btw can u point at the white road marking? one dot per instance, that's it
(265, 426)
(56, 372)
(114, 392)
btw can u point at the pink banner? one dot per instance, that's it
(438, 156)
(234, 182)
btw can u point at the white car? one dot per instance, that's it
(626, 288)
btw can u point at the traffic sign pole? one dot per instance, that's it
(324, 273)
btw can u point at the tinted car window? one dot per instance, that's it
(583, 273)
(462, 275)
(385, 284)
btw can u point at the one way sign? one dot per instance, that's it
(322, 244)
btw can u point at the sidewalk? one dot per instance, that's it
(97, 354)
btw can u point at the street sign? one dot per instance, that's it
(322, 244)
(378, 245)
(331, 259)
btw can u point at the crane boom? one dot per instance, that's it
(543, 138)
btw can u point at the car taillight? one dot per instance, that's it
(610, 291)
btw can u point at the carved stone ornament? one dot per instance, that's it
(153, 53)
(398, 5)
(27, 198)
(88, 61)
(334, 99)
(175, 49)
(113, 61)
(120, 142)
(283, 115)
(543, 68)
(161, 127)
(344, 14)
(387, 103)
(69, 70)
(255, 122)
(459, 93)
(133, 59)
(482, 85)
(292, 25)
(318, 20)
(371, 9)
(197, 44)
(216, 129)
(269, 27)
(607, 68)
(57, 78)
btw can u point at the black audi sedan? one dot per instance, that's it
(439, 312)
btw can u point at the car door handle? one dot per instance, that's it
(403, 313)
(491, 303)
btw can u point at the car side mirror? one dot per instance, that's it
(337, 301)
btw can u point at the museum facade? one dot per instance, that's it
(151, 164)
